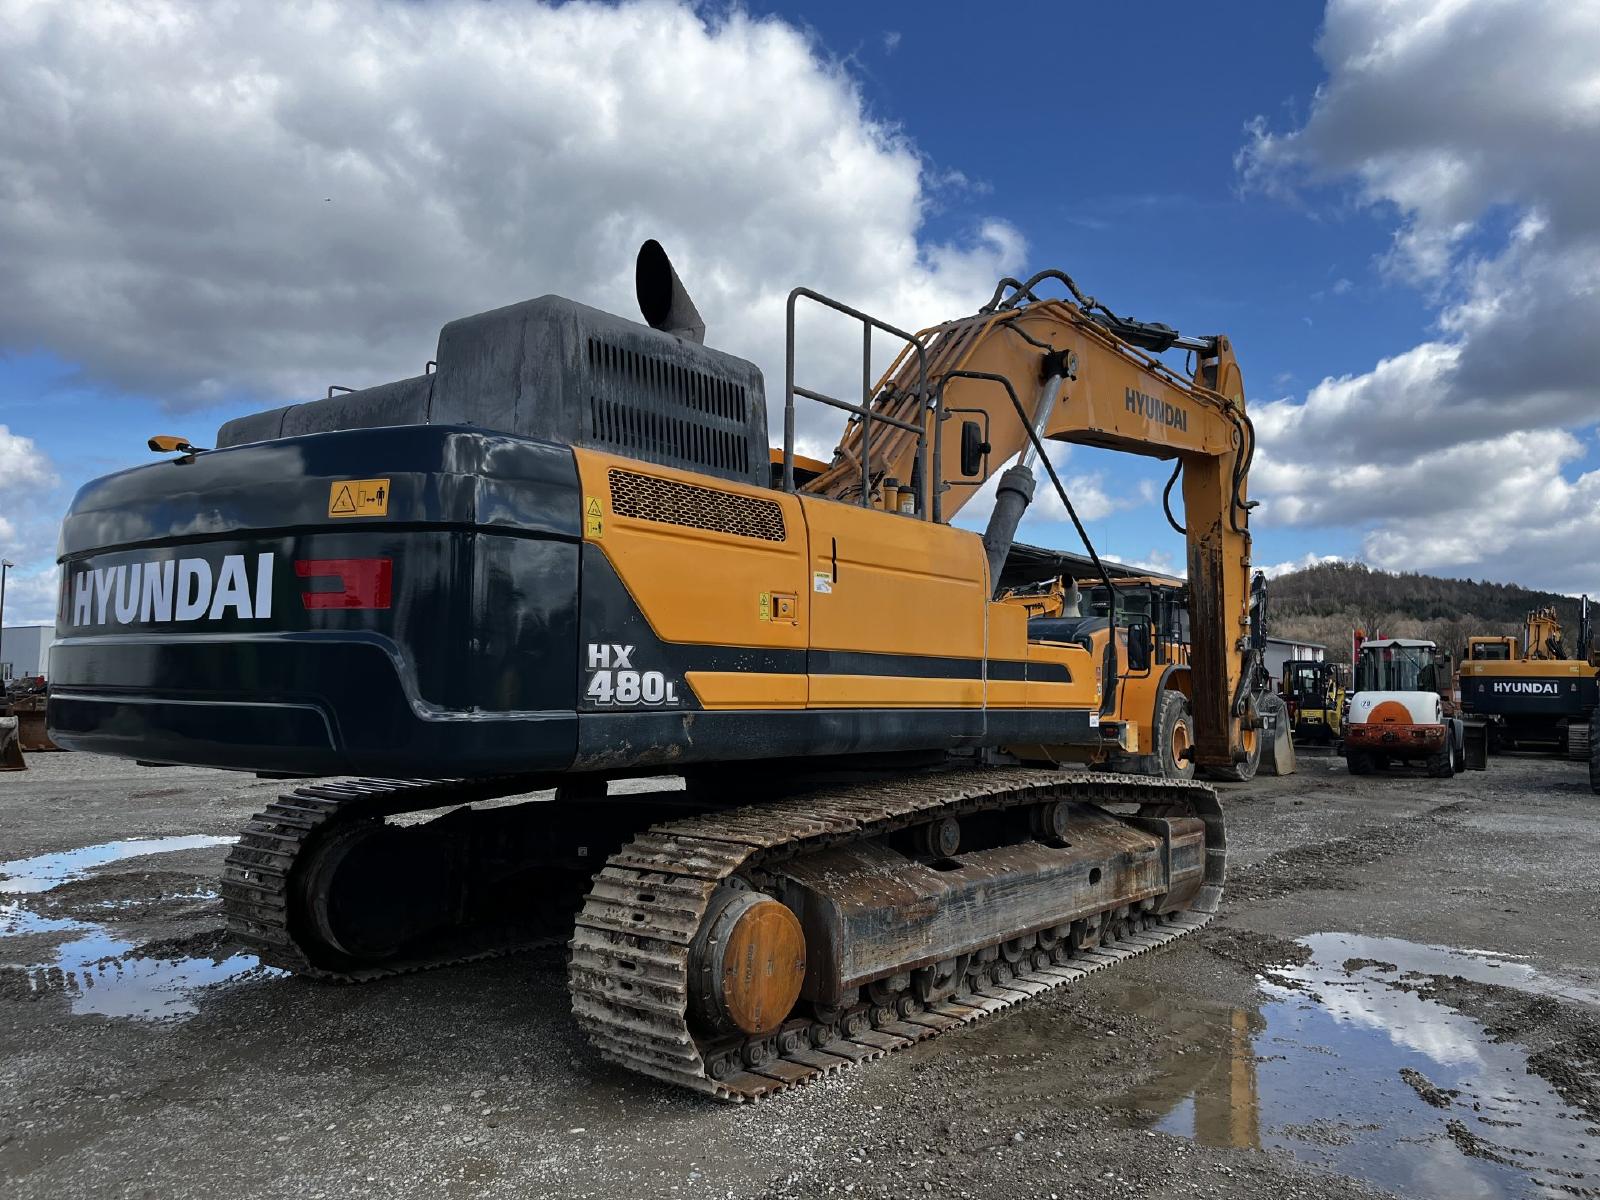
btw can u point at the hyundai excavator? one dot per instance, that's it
(564, 556)
(1533, 691)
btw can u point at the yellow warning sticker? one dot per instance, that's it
(764, 607)
(358, 498)
(593, 520)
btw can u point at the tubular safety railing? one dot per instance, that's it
(927, 491)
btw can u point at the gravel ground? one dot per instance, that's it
(1400, 997)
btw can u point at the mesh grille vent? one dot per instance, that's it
(650, 499)
(668, 412)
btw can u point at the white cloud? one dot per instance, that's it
(1156, 561)
(31, 596)
(1092, 499)
(27, 529)
(1461, 118)
(22, 464)
(205, 201)
(1309, 559)
(250, 202)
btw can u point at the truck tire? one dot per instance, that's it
(1578, 742)
(1174, 726)
(1443, 764)
(1359, 762)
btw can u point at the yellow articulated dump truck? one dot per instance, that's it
(1151, 706)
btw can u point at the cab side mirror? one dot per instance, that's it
(1141, 644)
(973, 448)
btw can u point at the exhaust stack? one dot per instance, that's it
(663, 299)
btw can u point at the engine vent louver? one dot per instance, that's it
(667, 412)
(648, 498)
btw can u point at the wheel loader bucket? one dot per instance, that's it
(10, 746)
(1277, 741)
(1475, 744)
(32, 732)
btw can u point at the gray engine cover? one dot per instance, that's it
(558, 370)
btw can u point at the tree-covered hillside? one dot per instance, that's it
(1325, 602)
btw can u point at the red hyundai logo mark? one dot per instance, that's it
(363, 582)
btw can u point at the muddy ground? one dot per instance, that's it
(1402, 995)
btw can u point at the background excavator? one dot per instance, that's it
(1532, 690)
(564, 556)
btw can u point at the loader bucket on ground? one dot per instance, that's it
(1475, 744)
(10, 746)
(32, 730)
(1277, 741)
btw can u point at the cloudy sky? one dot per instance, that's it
(1392, 208)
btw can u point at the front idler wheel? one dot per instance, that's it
(747, 963)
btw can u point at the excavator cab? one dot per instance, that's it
(1491, 649)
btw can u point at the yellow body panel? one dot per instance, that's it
(701, 586)
(884, 583)
(843, 578)
(894, 691)
(747, 689)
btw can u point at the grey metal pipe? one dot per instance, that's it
(663, 299)
(1010, 502)
(1016, 488)
(1041, 418)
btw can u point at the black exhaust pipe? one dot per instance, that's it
(663, 299)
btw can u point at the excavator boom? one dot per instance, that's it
(1023, 370)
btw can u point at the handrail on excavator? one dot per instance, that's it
(928, 507)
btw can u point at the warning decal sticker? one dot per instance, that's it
(593, 522)
(358, 498)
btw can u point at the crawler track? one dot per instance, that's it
(258, 899)
(629, 972)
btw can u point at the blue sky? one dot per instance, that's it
(188, 251)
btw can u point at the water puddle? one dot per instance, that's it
(99, 972)
(39, 874)
(1348, 1066)
(98, 976)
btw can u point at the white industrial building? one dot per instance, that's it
(1282, 650)
(25, 650)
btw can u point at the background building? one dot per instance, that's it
(1281, 650)
(25, 650)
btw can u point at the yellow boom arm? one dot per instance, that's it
(1079, 381)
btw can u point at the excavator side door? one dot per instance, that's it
(898, 608)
